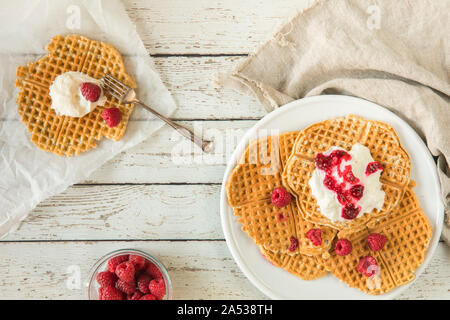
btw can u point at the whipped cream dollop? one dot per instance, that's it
(67, 98)
(347, 185)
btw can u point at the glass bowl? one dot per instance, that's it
(101, 265)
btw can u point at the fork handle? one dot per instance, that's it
(205, 145)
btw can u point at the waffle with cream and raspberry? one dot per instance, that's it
(60, 99)
(346, 172)
(346, 176)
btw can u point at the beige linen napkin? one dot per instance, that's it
(394, 53)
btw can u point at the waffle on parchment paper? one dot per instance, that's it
(344, 132)
(65, 135)
(408, 234)
(249, 190)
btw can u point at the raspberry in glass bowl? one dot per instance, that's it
(129, 274)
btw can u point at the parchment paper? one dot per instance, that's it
(27, 174)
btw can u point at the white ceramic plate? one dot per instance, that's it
(279, 284)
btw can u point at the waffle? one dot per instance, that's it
(249, 190)
(408, 234)
(304, 267)
(344, 132)
(65, 135)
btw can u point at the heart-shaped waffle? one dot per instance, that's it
(302, 266)
(378, 137)
(65, 135)
(408, 233)
(249, 190)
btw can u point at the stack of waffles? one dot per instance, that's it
(287, 161)
(65, 135)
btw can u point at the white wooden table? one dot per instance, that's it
(142, 199)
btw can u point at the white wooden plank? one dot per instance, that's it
(126, 212)
(207, 26)
(152, 212)
(167, 157)
(190, 80)
(199, 270)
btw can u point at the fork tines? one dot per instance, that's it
(115, 87)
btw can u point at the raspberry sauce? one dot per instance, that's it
(373, 167)
(342, 182)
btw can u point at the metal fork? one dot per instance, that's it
(127, 95)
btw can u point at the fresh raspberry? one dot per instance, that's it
(293, 245)
(125, 271)
(126, 287)
(357, 191)
(111, 293)
(106, 278)
(100, 293)
(112, 116)
(368, 266)
(138, 261)
(350, 211)
(343, 247)
(135, 296)
(148, 297)
(90, 91)
(114, 262)
(143, 281)
(376, 241)
(373, 167)
(315, 235)
(153, 271)
(280, 197)
(157, 288)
